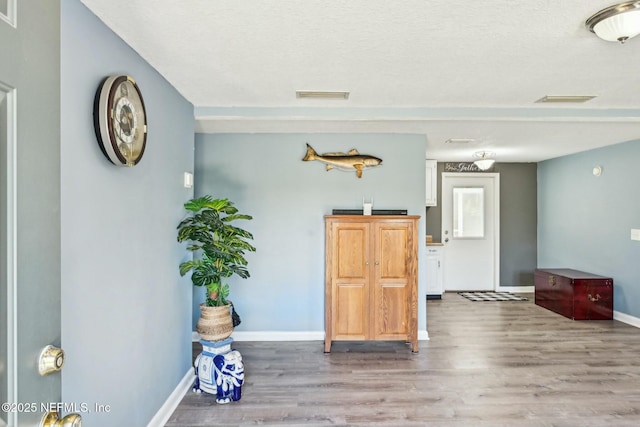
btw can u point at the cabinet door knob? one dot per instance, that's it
(377, 263)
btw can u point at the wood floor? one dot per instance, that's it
(486, 364)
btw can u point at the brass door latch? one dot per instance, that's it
(51, 360)
(51, 419)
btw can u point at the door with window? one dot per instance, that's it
(471, 231)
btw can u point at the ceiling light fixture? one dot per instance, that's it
(565, 98)
(619, 22)
(321, 94)
(485, 160)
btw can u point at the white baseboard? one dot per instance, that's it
(626, 318)
(272, 336)
(517, 289)
(278, 335)
(164, 413)
(286, 336)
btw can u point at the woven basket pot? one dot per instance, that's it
(214, 323)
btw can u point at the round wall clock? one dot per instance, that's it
(120, 120)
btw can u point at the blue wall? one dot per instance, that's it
(584, 221)
(126, 311)
(288, 198)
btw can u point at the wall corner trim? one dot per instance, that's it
(166, 410)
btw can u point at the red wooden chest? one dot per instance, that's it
(574, 294)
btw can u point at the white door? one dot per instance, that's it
(471, 231)
(29, 309)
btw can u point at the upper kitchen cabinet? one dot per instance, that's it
(432, 182)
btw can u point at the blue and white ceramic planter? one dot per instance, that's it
(219, 370)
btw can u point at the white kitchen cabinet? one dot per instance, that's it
(432, 182)
(435, 264)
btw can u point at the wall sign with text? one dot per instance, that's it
(462, 167)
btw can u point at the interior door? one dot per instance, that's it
(471, 231)
(29, 274)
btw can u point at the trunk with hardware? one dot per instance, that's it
(575, 294)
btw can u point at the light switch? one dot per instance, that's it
(188, 180)
(635, 234)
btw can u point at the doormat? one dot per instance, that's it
(491, 296)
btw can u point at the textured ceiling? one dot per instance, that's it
(442, 68)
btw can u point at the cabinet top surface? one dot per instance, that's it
(371, 217)
(570, 273)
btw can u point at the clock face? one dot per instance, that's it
(120, 120)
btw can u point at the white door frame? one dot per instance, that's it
(496, 216)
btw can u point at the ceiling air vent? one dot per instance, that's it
(568, 99)
(459, 141)
(319, 94)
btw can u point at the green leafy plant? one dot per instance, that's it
(221, 246)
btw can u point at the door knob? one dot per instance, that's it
(51, 419)
(446, 240)
(51, 360)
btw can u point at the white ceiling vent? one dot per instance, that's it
(319, 94)
(565, 98)
(459, 141)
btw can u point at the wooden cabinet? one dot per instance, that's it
(431, 183)
(371, 272)
(574, 294)
(435, 261)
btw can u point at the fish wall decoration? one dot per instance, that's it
(344, 161)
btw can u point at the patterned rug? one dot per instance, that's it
(492, 296)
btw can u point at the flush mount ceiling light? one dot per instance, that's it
(565, 98)
(321, 94)
(485, 160)
(619, 22)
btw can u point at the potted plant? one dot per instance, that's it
(220, 248)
